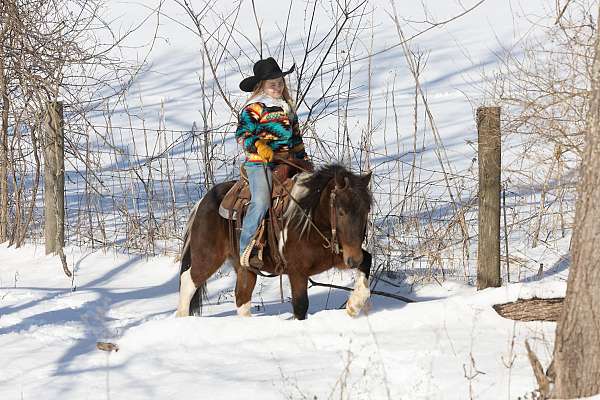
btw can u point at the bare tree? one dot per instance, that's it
(47, 52)
(577, 345)
(544, 91)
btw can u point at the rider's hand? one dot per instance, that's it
(264, 150)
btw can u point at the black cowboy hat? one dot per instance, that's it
(263, 70)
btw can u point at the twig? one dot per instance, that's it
(376, 292)
(542, 380)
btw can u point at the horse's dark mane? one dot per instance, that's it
(357, 194)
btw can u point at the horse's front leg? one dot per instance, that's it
(361, 291)
(299, 284)
(244, 287)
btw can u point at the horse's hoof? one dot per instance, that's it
(352, 311)
(244, 310)
(354, 308)
(180, 314)
(357, 299)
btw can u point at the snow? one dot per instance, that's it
(48, 333)
(449, 344)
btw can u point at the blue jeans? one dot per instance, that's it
(260, 178)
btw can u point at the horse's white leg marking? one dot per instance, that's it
(359, 295)
(186, 291)
(244, 310)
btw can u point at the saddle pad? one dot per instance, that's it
(238, 197)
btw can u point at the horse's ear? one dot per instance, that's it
(366, 178)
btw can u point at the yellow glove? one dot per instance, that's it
(264, 150)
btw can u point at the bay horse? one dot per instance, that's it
(324, 227)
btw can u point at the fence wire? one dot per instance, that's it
(132, 189)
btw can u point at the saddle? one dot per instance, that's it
(235, 203)
(237, 198)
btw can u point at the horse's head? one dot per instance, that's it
(350, 202)
(338, 202)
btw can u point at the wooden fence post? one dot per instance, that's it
(54, 178)
(488, 248)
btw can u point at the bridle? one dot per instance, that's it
(334, 244)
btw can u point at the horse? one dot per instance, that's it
(324, 227)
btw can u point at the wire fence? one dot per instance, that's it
(132, 189)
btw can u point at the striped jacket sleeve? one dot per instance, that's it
(247, 130)
(296, 142)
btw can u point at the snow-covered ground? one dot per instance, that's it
(449, 344)
(49, 327)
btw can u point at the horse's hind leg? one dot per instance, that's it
(205, 258)
(194, 279)
(204, 265)
(207, 245)
(244, 287)
(187, 289)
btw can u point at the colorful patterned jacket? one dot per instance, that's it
(272, 120)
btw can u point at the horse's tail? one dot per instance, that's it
(186, 263)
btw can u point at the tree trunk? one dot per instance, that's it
(4, 161)
(3, 140)
(577, 346)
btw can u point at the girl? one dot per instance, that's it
(267, 128)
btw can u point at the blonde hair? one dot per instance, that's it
(258, 89)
